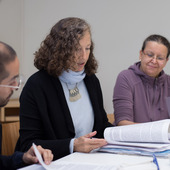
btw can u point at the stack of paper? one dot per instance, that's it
(142, 139)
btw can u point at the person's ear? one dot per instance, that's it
(140, 55)
(167, 59)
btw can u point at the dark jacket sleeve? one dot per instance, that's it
(11, 162)
(42, 118)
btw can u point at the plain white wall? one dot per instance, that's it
(11, 19)
(10, 23)
(118, 30)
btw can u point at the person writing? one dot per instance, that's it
(63, 100)
(9, 81)
(140, 92)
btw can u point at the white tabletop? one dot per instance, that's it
(106, 161)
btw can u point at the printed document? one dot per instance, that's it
(152, 132)
(141, 139)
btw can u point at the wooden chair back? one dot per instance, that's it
(111, 118)
(10, 135)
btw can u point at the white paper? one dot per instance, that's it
(153, 132)
(64, 165)
(73, 166)
(38, 155)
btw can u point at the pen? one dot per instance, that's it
(155, 161)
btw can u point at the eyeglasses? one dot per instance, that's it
(152, 56)
(17, 80)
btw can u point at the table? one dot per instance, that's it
(104, 161)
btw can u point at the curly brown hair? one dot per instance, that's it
(57, 51)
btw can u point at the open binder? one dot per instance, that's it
(143, 139)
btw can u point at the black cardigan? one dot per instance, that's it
(45, 117)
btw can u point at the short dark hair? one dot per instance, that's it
(159, 39)
(57, 50)
(7, 55)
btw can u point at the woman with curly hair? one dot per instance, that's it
(61, 105)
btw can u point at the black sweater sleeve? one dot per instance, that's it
(11, 162)
(42, 118)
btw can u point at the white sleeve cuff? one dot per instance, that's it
(72, 145)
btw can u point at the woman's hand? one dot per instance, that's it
(87, 143)
(30, 158)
